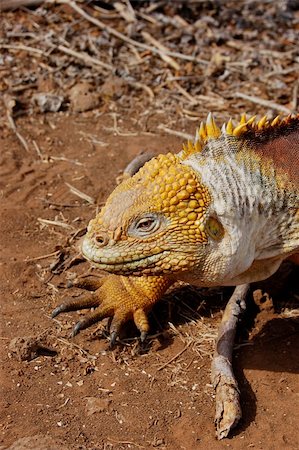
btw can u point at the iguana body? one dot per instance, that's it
(224, 211)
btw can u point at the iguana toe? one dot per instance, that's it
(86, 301)
(120, 299)
(112, 338)
(91, 318)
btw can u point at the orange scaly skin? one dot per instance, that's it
(224, 211)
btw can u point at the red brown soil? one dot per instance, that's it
(62, 393)
(83, 395)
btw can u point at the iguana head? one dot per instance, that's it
(153, 223)
(169, 218)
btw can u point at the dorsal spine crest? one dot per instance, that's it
(208, 131)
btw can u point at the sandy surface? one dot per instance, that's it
(63, 393)
(76, 393)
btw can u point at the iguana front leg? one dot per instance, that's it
(120, 298)
(228, 410)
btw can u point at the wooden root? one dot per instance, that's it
(228, 410)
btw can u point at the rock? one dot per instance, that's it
(48, 102)
(113, 88)
(83, 97)
(37, 442)
(28, 348)
(95, 404)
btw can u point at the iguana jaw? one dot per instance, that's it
(158, 261)
(114, 262)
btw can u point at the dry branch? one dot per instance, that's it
(163, 50)
(81, 194)
(55, 223)
(7, 5)
(228, 410)
(126, 39)
(24, 48)
(188, 137)
(89, 60)
(263, 102)
(10, 103)
(175, 356)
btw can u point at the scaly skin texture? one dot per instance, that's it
(224, 211)
(122, 298)
(163, 190)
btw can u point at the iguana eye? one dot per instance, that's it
(145, 225)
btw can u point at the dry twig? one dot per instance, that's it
(163, 50)
(126, 39)
(84, 57)
(260, 101)
(55, 223)
(176, 132)
(10, 103)
(175, 356)
(24, 48)
(81, 194)
(6, 5)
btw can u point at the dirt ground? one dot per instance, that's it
(59, 392)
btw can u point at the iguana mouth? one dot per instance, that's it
(136, 266)
(118, 263)
(126, 262)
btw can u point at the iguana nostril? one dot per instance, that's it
(101, 239)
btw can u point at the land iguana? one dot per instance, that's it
(222, 212)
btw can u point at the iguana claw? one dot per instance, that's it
(113, 337)
(143, 336)
(120, 299)
(76, 329)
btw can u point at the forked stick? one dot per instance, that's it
(228, 410)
